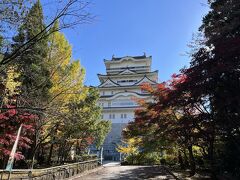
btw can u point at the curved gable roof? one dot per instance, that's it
(127, 58)
(144, 79)
(125, 93)
(127, 71)
(108, 83)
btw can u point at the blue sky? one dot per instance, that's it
(161, 28)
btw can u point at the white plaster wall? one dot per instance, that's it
(128, 63)
(119, 116)
(122, 99)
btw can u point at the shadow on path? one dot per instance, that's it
(144, 172)
(113, 171)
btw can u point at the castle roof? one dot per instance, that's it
(110, 83)
(135, 57)
(124, 57)
(122, 73)
(124, 93)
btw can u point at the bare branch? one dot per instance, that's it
(73, 13)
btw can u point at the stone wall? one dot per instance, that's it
(58, 172)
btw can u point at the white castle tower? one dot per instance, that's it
(118, 90)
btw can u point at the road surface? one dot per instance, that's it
(113, 171)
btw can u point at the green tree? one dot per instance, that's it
(34, 73)
(130, 148)
(214, 76)
(12, 15)
(81, 125)
(48, 79)
(101, 131)
(32, 64)
(67, 77)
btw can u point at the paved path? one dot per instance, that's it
(113, 171)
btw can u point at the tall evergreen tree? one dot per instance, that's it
(34, 73)
(32, 63)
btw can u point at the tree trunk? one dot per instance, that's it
(132, 159)
(52, 144)
(191, 161)
(58, 156)
(34, 148)
(186, 164)
(60, 151)
(66, 153)
(50, 154)
(180, 160)
(212, 158)
(4, 160)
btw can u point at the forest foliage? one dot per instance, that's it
(42, 88)
(195, 116)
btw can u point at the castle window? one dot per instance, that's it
(123, 116)
(111, 116)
